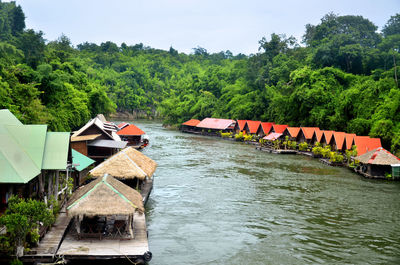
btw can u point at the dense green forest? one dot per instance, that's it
(341, 76)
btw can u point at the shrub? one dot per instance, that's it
(248, 137)
(326, 151)
(317, 150)
(303, 146)
(277, 144)
(292, 145)
(239, 136)
(336, 157)
(226, 135)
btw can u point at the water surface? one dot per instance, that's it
(222, 202)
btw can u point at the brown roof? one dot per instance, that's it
(378, 156)
(126, 164)
(105, 196)
(84, 137)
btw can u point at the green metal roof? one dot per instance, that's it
(80, 161)
(7, 118)
(16, 165)
(56, 150)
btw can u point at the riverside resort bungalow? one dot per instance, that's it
(239, 126)
(378, 163)
(305, 134)
(291, 132)
(264, 128)
(251, 127)
(134, 136)
(212, 126)
(190, 126)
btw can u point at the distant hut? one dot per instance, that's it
(337, 141)
(273, 136)
(278, 128)
(316, 138)
(190, 126)
(251, 127)
(305, 134)
(326, 137)
(104, 197)
(128, 165)
(133, 135)
(264, 128)
(81, 165)
(377, 163)
(349, 141)
(97, 140)
(239, 126)
(213, 126)
(365, 144)
(291, 132)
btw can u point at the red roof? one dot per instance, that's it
(253, 126)
(338, 138)
(318, 134)
(309, 131)
(192, 122)
(293, 131)
(241, 124)
(349, 140)
(272, 136)
(279, 128)
(365, 144)
(381, 150)
(328, 136)
(266, 127)
(122, 125)
(130, 130)
(217, 124)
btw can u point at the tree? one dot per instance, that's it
(392, 27)
(32, 44)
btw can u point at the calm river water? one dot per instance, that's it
(222, 202)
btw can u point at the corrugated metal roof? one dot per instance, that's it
(217, 124)
(56, 151)
(80, 161)
(272, 136)
(7, 118)
(192, 122)
(17, 163)
(131, 130)
(108, 143)
(97, 122)
(241, 124)
(266, 127)
(85, 137)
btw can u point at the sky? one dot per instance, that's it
(216, 25)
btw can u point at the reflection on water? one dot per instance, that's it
(221, 202)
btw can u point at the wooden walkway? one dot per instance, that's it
(134, 249)
(146, 189)
(48, 246)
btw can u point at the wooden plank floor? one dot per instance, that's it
(48, 246)
(71, 247)
(146, 190)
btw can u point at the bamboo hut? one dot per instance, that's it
(189, 126)
(108, 198)
(264, 128)
(128, 165)
(377, 163)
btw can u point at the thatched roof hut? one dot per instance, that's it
(105, 196)
(126, 164)
(379, 156)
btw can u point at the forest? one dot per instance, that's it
(342, 75)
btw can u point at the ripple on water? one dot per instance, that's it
(222, 202)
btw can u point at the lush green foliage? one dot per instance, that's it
(22, 217)
(303, 146)
(344, 78)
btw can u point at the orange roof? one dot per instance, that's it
(308, 131)
(130, 130)
(349, 140)
(338, 138)
(122, 125)
(328, 136)
(266, 127)
(318, 134)
(365, 144)
(279, 128)
(293, 131)
(192, 122)
(241, 124)
(253, 126)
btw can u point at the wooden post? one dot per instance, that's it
(41, 184)
(50, 185)
(57, 185)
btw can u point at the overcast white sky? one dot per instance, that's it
(217, 25)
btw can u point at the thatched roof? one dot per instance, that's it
(105, 196)
(126, 164)
(378, 156)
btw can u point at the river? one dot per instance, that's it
(223, 202)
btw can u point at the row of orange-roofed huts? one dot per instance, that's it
(370, 158)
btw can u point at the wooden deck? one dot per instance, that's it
(146, 189)
(134, 249)
(48, 246)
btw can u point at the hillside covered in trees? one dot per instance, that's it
(342, 75)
